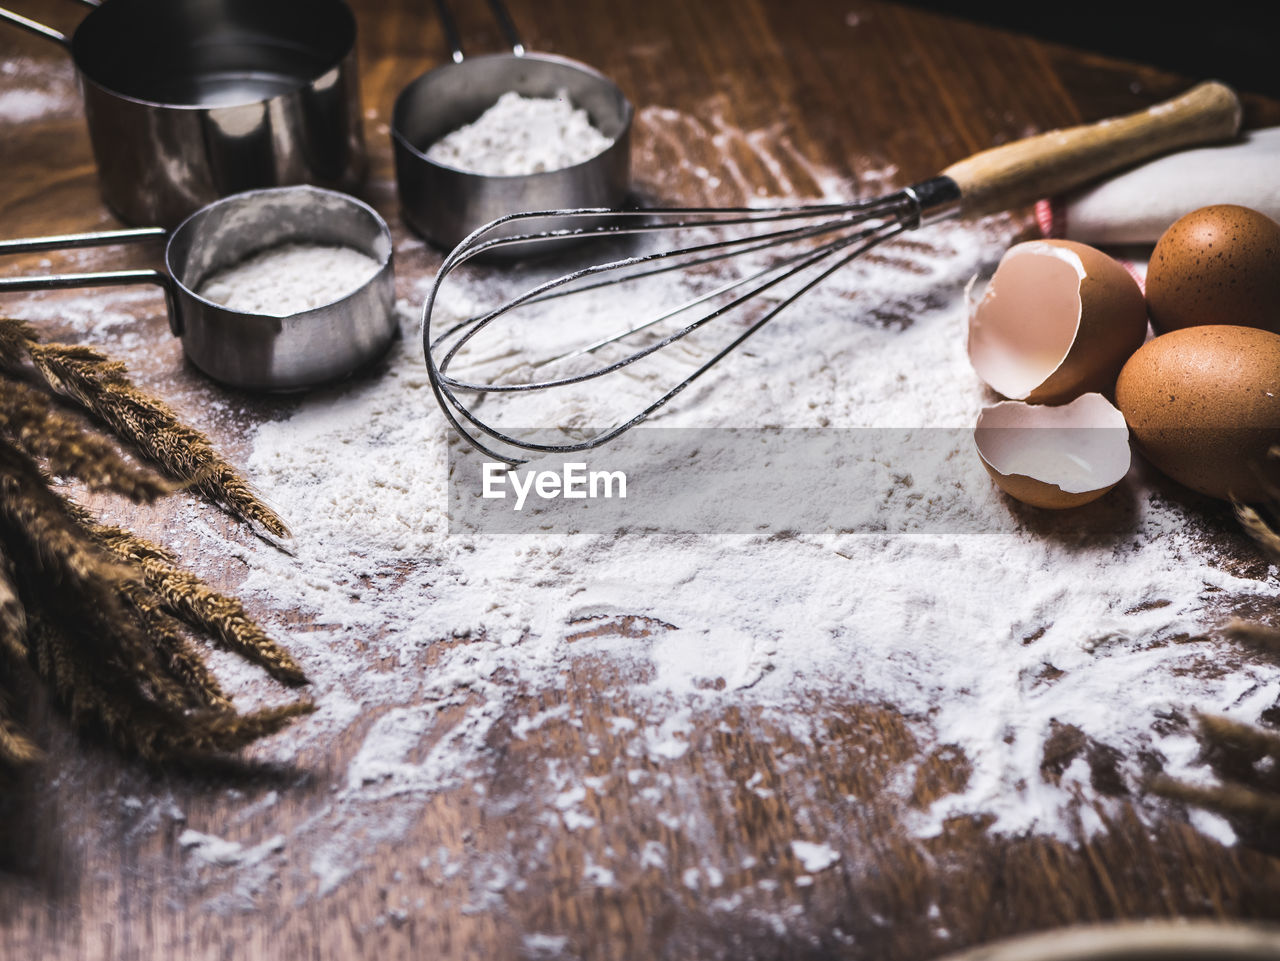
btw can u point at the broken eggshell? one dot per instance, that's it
(1054, 457)
(1058, 320)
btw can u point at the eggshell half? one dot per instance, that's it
(1216, 265)
(1054, 457)
(1058, 320)
(1204, 406)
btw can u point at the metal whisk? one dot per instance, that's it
(788, 250)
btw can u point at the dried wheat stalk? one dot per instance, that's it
(1230, 800)
(200, 606)
(15, 337)
(30, 421)
(13, 620)
(1231, 747)
(1236, 751)
(62, 571)
(105, 618)
(41, 530)
(15, 748)
(153, 729)
(1256, 525)
(221, 732)
(1257, 635)
(102, 387)
(180, 657)
(115, 656)
(1242, 741)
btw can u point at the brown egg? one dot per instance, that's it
(1058, 320)
(1204, 407)
(1216, 265)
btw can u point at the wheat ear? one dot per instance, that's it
(192, 600)
(102, 387)
(32, 422)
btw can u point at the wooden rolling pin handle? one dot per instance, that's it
(1047, 164)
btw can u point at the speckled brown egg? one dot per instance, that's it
(1204, 407)
(1216, 265)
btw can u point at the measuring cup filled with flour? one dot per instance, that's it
(290, 278)
(279, 289)
(484, 137)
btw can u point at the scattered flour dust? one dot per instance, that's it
(983, 641)
(936, 625)
(290, 278)
(814, 857)
(36, 89)
(522, 135)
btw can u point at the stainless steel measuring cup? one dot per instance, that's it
(190, 100)
(249, 350)
(445, 204)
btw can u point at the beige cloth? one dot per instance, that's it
(1137, 206)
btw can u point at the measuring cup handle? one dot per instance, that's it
(451, 36)
(31, 26)
(114, 278)
(98, 238)
(454, 39)
(111, 278)
(507, 26)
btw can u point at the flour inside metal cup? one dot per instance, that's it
(522, 135)
(290, 278)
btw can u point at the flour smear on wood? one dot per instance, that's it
(986, 641)
(423, 641)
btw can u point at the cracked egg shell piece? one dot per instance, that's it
(1054, 457)
(1058, 320)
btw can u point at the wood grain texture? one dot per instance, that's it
(736, 99)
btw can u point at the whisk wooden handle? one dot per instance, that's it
(1044, 165)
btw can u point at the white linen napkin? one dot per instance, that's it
(1137, 206)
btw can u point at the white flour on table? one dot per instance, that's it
(982, 641)
(988, 641)
(290, 278)
(32, 90)
(522, 135)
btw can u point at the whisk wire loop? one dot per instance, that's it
(828, 235)
(824, 231)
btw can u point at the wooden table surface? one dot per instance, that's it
(855, 86)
